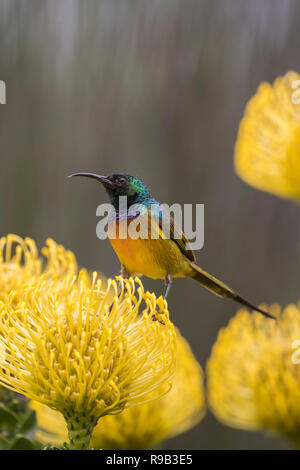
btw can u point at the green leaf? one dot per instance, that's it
(14, 404)
(7, 416)
(29, 422)
(22, 443)
(4, 443)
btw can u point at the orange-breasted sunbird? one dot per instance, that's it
(153, 254)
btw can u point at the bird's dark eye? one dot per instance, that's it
(122, 180)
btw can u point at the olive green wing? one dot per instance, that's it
(176, 234)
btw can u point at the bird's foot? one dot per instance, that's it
(154, 318)
(158, 316)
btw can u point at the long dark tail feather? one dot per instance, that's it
(219, 288)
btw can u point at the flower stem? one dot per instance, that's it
(80, 432)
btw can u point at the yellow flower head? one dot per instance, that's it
(21, 264)
(142, 426)
(65, 345)
(267, 151)
(253, 374)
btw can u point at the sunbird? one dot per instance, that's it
(163, 257)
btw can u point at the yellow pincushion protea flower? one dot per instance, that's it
(65, 345)
(142, 426)
(21, 264)
(253, 374)
(267, 151)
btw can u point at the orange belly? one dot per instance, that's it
(153, 258)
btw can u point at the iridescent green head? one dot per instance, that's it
(122, 184)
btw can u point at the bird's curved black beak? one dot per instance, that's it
(103, 179)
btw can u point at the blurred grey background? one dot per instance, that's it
(154, 88)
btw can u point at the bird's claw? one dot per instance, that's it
(155, 318)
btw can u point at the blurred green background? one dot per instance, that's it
(154, 88)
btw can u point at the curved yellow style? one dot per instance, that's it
(142, 426)
(253, 374)
(267, 150)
